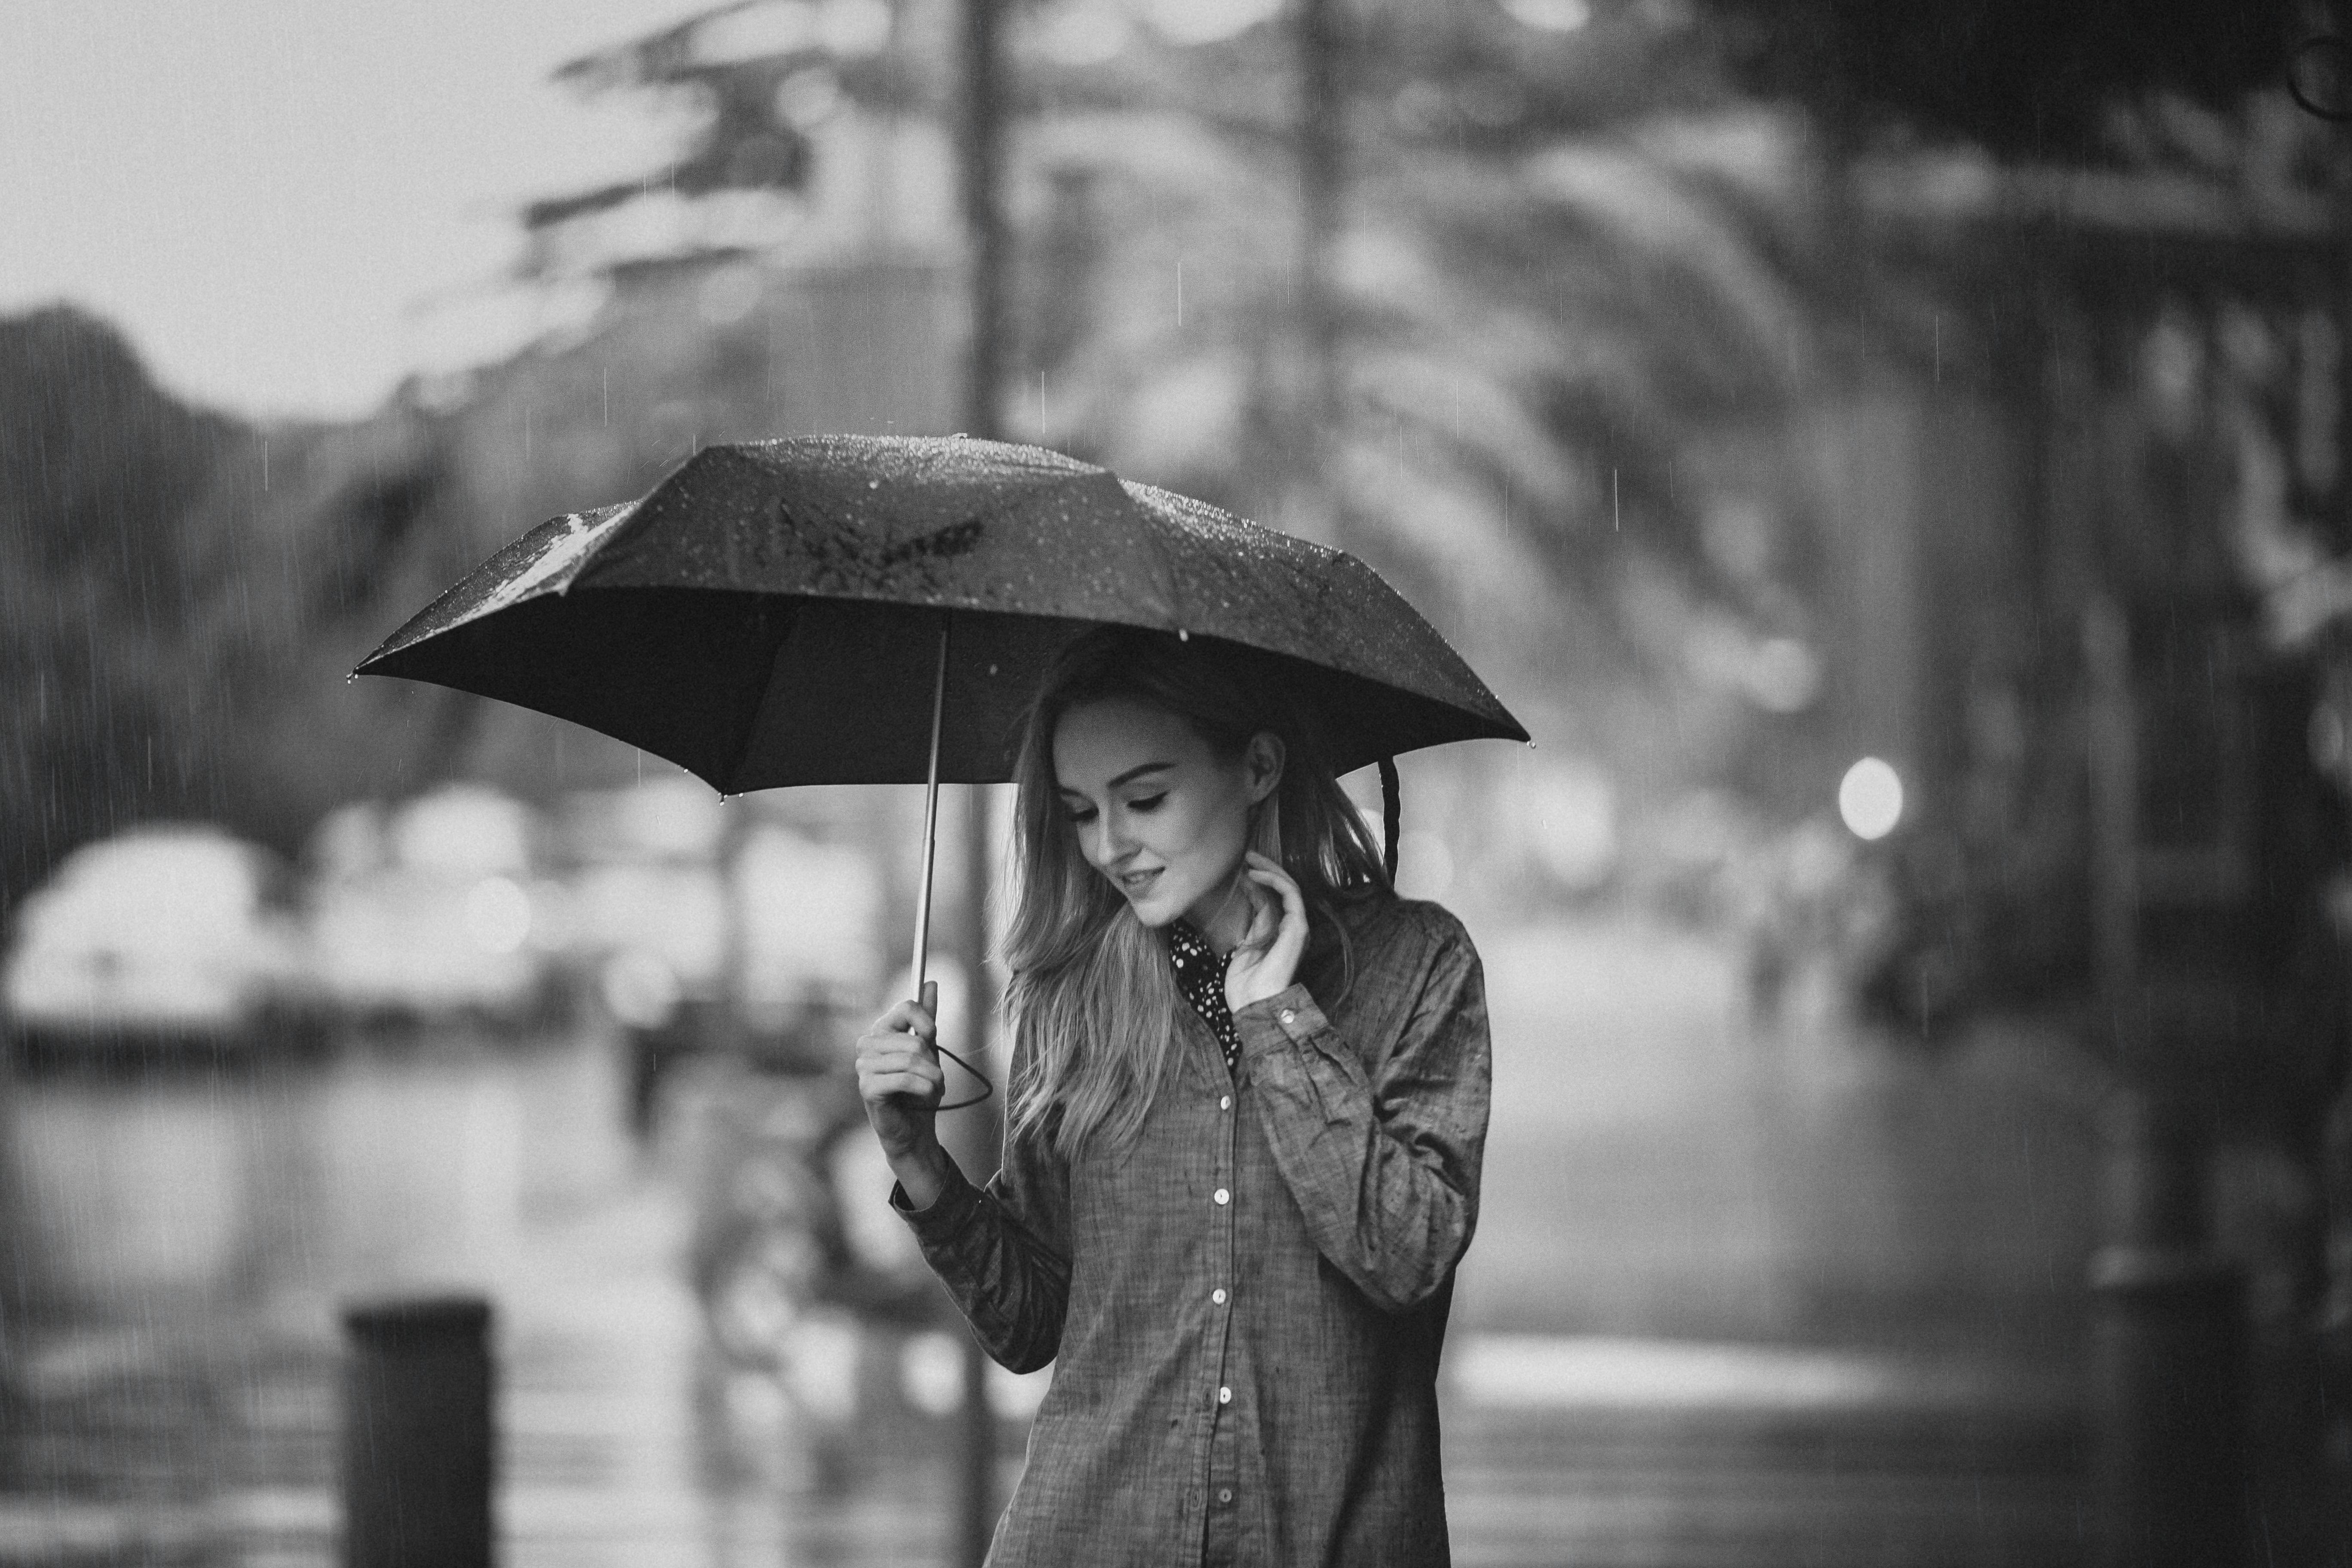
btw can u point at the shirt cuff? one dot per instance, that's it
(1289, 1014)
(949, 1212)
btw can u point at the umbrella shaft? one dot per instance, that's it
(930, 813)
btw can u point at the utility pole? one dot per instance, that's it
(986, 354)
(1321, 137)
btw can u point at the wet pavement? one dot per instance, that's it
(623, 1444)
(1738, 1297)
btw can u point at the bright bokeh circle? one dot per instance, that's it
(1870, 798)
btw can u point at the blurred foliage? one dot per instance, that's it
(1578, 279)
(753, 78)
(2019, 79)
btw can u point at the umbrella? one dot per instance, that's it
(844, 609)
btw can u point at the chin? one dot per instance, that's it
(1155, 912)
(1161, 905)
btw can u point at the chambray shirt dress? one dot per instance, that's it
(1244, 1307)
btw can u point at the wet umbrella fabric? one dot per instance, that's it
(770, 614)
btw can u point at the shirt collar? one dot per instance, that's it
(1185, 941)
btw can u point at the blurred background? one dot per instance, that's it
(1893, 460)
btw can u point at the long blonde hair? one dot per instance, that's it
(1091, 1005)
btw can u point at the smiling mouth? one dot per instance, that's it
(1133, 882)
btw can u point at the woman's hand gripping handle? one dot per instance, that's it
(901, 1081)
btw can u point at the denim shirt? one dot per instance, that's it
(1246, 1304)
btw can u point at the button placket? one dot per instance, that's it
(1226, 1252)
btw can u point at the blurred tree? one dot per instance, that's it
(180, 593)
(1566, 261)
(750, 80)
(98, 468)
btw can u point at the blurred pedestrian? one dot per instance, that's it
(1247, 1105)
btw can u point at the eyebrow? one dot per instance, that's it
(1128, 777)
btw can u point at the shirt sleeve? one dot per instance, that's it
(1002, 1250)
(1382, 1159)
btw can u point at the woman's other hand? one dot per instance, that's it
(1265, 960)
(901, 1081)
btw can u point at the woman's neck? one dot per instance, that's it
(1223, 919)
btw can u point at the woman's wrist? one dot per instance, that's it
(923, 1173)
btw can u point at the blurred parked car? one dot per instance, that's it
(163, 931)
(708, 929)
(431, 909)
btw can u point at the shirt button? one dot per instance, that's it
(1224, 1397)
(1225, 1494)
(1218, 1296)
(1225, 1102)
(1289, 1017)
(1222, 1197)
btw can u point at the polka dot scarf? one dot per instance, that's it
(1201, 975)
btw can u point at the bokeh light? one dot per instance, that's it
(1870, 798)
(498, 914)
(1550, 15)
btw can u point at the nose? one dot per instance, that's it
(1109, 843)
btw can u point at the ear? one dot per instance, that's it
(1262, 766)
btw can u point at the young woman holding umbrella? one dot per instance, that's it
(1247, 1105)
(1230, 1211)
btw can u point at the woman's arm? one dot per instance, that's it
(1002, 1250)
(1383, 1164)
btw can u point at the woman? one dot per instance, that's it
(1247, 1104)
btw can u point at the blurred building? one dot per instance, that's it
(2092, 563)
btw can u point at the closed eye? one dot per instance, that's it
(1082, 815)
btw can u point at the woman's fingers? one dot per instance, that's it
(1281, 890)
(889, 1053)
(899, 1074)
(1269, 871)
(886, 1072)
(912, 1085)
(911, 1018)
(902, 1042)
(1259, 929)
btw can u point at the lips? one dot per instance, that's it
(1134, 883)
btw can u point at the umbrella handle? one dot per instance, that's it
(930, 852)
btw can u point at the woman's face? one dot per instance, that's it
(1155, 808)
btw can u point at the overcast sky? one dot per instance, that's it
(290, 203)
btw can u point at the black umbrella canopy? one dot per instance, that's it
(770, 613)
